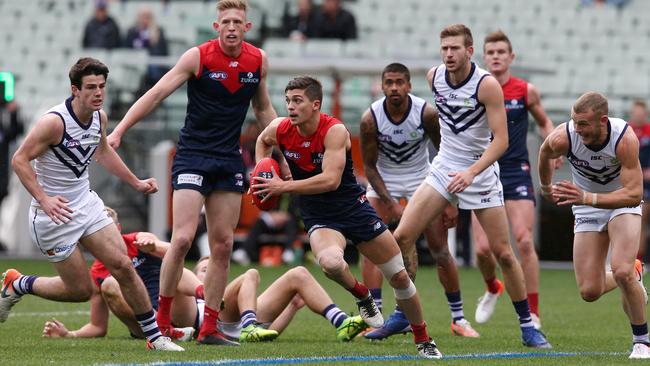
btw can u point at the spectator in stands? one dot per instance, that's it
(300, 26)
(641, 126)
(10, 129)
(602, 3)
(146, 34)
(332, 21)
(101, 31)
(282, 223)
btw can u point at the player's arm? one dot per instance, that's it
(150, 244)
(629, 195)
(491, 95)
(266, 140)
(431, 124)
(370, 153)
(185, 68)
(48, 131)
(261, 101)
(97, 327)
(554, 146)
(336, 143)
(535, 107)
(109, 159)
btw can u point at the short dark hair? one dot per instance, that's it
(86, 66)
(397, 67)
(497, 36)
(591, 101)
(458, 30)
(312, 87)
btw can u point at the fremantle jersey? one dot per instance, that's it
(218, 99)
(464, 130)
(402, 144)
(305, 157)
(63, 168)
(515, 95)
(146, 265)
(596, 168)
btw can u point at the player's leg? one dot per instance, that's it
(521, 214)
(112, 295)
(186, 208)
(436, 235)
(623, 231)
(487, 264)
(385, 253)
(494, 222)
(222, 214)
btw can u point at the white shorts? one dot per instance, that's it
(57, 242)
(588, 218)
(402, 187)
(485, 191)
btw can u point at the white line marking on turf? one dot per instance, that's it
(51, 313)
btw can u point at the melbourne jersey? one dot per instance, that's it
(304, 154)
(218, 98)
(63, 168)
(643, 134)
(464, 130)
(596, 168)
(402, 144)
(515, 95)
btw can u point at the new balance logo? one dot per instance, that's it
(233, 64)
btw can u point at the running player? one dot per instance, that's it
(145, 251)
(65, 211)
(520, 98)
(394, 136)
(333, 206)
(473, 136)
(223, 77)
(605, 196)
(641, 126)
(250, 318)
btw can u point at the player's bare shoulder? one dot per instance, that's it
(628, 146)
(368, 124)
(557, 141)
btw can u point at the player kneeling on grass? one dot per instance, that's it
(333, 206)
(145, 251)
(251, 318)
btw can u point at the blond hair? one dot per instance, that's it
(458, 30)
(591, 101)
(232, 4)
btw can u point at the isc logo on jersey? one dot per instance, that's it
(218, 75)
(248, 78)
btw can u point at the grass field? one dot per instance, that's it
(581, 333)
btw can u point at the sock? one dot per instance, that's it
(360, 291)
(420, 332)
(376, 294)
(147, 322)
(533, 301)
(199, 292)
(248, 317)
(209, 321)
(455, 305)
(640, 334)
(492, 285)
(23, 285)
(164, 317)
(398, 311)
(523, 311)
(335, 315)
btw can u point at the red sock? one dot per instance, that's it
(420, 332)
(209, 321)
(492, 285)
(533, 302)
(199, 292)
(164, 317)
(360, 291)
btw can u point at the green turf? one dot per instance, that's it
(570, 324)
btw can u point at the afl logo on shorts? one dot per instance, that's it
(218, 75)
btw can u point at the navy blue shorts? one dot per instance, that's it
(358, 223)
(207, 174)
(516, 181)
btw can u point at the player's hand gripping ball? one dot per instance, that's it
(263, 169)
